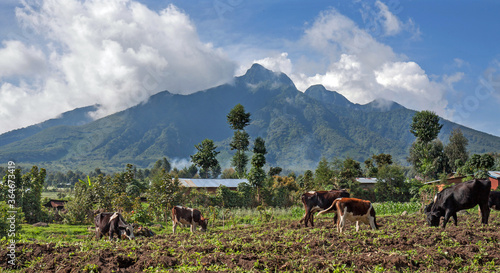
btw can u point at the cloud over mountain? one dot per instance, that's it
(362, 68)
(115, 53)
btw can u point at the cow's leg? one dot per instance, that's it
(306, 217)
(193, 227)
(455, 218)
(311, 218)
(372, 222)
(485, 214)
(447, 216)
(342, 223)
(174, 226)
(357, 226)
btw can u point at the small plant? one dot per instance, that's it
(91, 268)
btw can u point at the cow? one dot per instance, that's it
(315, 201)
(462, 196)
(188, 216)
(494, 200)
(109, 222)
(353, 209)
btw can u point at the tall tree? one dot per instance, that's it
(426, 155)
(31, 193)
(238, 119)
(257, 175)
(425, 126)
(456, 150)
(205, 158)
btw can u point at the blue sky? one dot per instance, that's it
(57, 55)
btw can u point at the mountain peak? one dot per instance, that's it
(258, 74)
(384, 105)
(320, 93)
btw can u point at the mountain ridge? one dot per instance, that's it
(299, 128)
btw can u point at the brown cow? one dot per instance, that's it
(188, 216)
(353, 209)
(315, 201)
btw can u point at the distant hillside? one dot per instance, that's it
(299, 128)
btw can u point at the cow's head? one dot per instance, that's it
(127, 231)
(433, 218)
(203, 224)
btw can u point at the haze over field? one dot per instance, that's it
(58, 55)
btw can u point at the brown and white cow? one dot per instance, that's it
(111, 223)
(188, 216)
(353, 209)
(315, 201)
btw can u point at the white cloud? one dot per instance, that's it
(113, 52)
(16, 59)
(363, 69)
(390, 22)
(279, 63)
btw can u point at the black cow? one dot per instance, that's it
(494, 200)
(315, 201)
(109, 222)
(462, 196)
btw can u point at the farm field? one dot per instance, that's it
(403, 244)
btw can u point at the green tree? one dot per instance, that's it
(163, 194)
(323, 174)
(426, 155)
(161, 164)
(456, 149)
(391, 185)
(205, 158)
(349, 170)
(238, 119)
(425, 126)
(80, 208)
(308, 180)
(257, 175)
(31, 194)
(428, 159)
(375, 162)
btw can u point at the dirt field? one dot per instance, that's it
(404, 243)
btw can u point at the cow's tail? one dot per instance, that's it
(374, 217)
(332, 207)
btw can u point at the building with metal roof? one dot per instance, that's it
(367, 182)
(494, 178)
(211, 185)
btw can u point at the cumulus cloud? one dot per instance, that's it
(364, 69)
(16, 59)
(115, 53)
(279, 63)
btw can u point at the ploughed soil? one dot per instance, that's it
(403, 243)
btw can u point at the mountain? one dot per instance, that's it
(299, 128)
(78, 116)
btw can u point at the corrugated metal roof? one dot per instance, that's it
(366, 180)
(211, 183)
(494, 174)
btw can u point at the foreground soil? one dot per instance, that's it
(403, 243)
